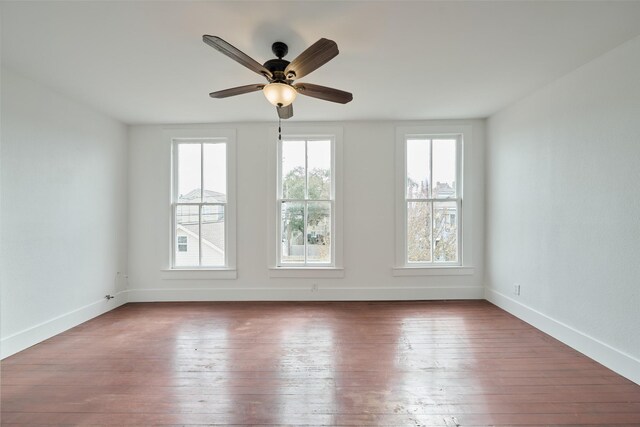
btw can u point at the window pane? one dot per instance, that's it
(444, 168)
(419, 231)
(215, 173)
(182, 243)
(292, 239)
(212, 232)
(319, 165)
(187, 219)
(445, 232)
(293, 170)
(189, 173)
(319, 232)
(418, 168)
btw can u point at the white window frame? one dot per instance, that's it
(306, 200)
(310, 269)
(199, 136)
(403, 266)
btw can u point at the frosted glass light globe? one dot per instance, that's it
(279, 94)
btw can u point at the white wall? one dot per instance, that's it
(64, 206)
(563, 208)
(369, 165)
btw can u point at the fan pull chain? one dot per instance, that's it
(279, 129)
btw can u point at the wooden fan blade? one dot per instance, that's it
(236, 54)
(323, 92)
(285, 112)
(314, 57)
(235, 91)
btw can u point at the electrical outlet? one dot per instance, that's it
(516, 289)
(314, 287)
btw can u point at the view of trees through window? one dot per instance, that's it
(432, 200)
(305, 201)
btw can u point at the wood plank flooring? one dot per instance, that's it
(344, 363)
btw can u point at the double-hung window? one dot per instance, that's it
(200, 204)
(431, 205)
(306, 202)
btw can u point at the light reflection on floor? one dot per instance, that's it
(307, 351)
(201, 361)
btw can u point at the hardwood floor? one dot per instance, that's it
(345, 363)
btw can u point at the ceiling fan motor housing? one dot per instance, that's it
(277, 66)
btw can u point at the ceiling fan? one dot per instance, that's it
(281, 74)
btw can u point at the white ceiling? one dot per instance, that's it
(145, 62)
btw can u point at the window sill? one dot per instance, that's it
(199, 274)
(432, 271)
(306, 272)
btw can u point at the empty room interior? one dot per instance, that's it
(355, 213)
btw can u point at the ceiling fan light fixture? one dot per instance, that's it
(281, 73)
(280, 94)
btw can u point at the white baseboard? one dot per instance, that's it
(42, 331)
(305, 294)
(619, 362)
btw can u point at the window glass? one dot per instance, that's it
(432, 200)
(215, 172)
(419, 231)
(319, 232)
(292, 230)
(418, 168)
(445, 232)
(319, 166)
(189, 173)
(200, 233)
(294, 171)
(306, 202)
(187, 228)
(444, 168)
(212, 232)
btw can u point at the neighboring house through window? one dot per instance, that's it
(431, 202)
(201, 203)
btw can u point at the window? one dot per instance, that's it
(305, 238)
(431, 203)
(306, 199)
(200, 203)
(182, 244)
